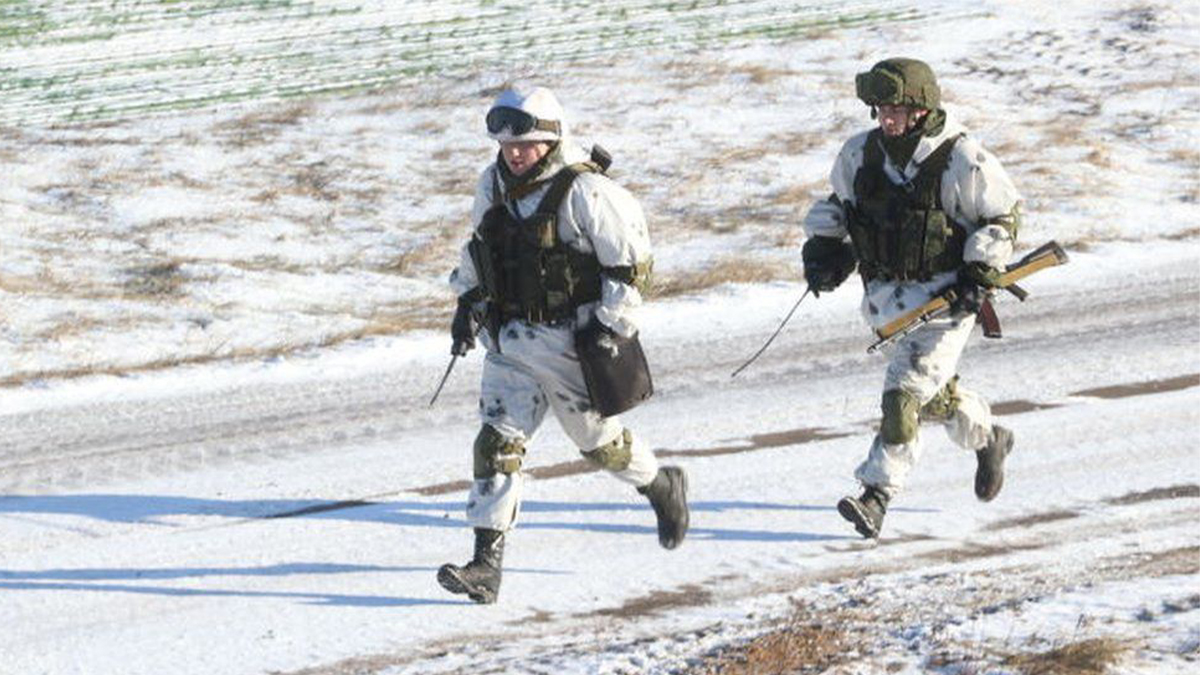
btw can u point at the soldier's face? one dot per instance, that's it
(521, 156)
(896, 120)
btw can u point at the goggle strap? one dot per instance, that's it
(547, 125)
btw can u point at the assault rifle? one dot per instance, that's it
(1047, 255)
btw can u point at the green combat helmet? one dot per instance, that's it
(899, 81)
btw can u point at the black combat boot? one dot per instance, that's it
(865, 512)
(989, 474)
(480, 578)
(668, 495)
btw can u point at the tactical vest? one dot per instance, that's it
(525, 269)
(901, 232)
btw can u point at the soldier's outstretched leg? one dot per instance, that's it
(479, 579)
(668, 496)
(865, 512)
(630, 460)
(989, 472)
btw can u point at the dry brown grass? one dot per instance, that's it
(49, 281)
(689, 595)
(799, 647)
(429, 128)
(1186, 156)
(732, 270)
(261, 126)
(1094, 656)
(458, 185)
(313, 180)
(435, 254)
(18, 284)
(697, 72)
(428, 314)
(156, 281)
(761, 75)
(68, 328)
(1190, 233)
(1099, 158)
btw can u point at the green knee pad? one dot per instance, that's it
(900, 420)
(615, 455)
(943, 405)
(495, 453)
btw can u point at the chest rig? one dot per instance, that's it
(901, 232)
(525, 269)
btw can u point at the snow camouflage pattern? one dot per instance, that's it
(534, 368)
(975, 191)
(923, 364)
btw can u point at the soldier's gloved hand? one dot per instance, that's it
(968, 298)
(975, 279)
(821, 279)
(827, 263)
(981, 273)
(462, 328)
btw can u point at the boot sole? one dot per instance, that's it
(850, 510)
(668, 542)
(450, 580)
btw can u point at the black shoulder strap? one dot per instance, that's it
(561, 183)
(873, 150)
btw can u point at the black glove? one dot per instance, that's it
(968, 297)
(463, 328)
(975, 280)
(827, 263)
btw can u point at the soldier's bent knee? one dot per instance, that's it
(496, 453)
(900, 420)
(615, 455)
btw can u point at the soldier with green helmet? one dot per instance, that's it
(918, 205)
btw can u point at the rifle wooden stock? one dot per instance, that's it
(1043, 257)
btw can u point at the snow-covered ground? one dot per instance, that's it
(220, 331)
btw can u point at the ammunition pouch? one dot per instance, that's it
(526, 271)
(614, 369)
(901, 232)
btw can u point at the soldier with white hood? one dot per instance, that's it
(550, 282)
(918, 206)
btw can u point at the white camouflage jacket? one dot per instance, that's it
(597, 215)
(975, 189)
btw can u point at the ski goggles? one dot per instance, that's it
(518, 122)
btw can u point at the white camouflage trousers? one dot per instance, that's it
(535, 370)
(922, 364)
